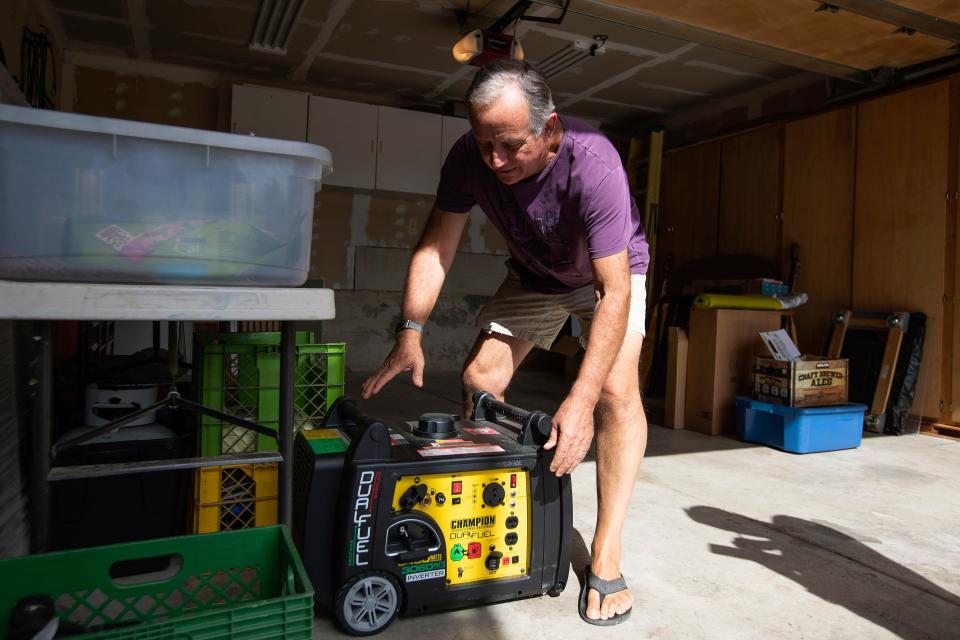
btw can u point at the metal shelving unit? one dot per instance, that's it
(46, 302)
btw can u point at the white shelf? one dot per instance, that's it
(67, 301)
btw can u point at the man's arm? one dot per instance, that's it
(428, 268)
(573, 422)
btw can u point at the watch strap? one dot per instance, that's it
(409, 324)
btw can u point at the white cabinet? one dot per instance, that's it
(269, 113)
(349, 131)
(408, 151)
(379, 148)
(453, 128)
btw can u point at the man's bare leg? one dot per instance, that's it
(491, 365)
(621, 441)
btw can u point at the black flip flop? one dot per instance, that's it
(604, 588)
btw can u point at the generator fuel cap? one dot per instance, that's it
(435, 425)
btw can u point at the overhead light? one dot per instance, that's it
(275, 22)
(572, 55)
(482, 45)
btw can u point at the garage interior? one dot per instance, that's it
(811, 144)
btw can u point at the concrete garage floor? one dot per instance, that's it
(729, 540)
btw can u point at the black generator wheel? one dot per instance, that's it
(368, 603)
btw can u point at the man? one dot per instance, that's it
(556, 189)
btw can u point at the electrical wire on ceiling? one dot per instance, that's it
(36, 51)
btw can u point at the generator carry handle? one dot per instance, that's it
(535, 426)
(370, 439)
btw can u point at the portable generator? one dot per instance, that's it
(435, 514)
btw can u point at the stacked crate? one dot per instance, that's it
(239, 374)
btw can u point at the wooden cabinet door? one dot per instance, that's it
(269, 113)
(750, 194)
(689, 193)
(818, 191)
(349, 131)
(408, 151)
(900, 217)
(953, 211)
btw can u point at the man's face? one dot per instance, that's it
(506, 143)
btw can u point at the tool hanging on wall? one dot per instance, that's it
(36, 54)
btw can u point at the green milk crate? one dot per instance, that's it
(239, 375)
(247, 584)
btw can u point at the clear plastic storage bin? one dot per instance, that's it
(103, 200)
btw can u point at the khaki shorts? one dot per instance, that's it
(539, 317)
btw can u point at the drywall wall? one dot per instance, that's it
(133, 97)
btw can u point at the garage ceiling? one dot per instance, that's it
(662, 56)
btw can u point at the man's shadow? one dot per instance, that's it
(840, 569)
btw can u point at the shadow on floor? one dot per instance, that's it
(579, 554)
(841, 569)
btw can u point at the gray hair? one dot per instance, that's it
(504, 74)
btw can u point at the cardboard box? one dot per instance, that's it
(811, 381)
(765, 287)
(722, 345)
(676, 378)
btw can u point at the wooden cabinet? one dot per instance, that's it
(349, 131)
(951, 370)
(689, 197)
(818, 188)
(408, 151)
(750, 194)
(901, 215)
(871, 193)
(269, 113)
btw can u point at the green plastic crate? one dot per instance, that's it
(248, 585)
(240, 375)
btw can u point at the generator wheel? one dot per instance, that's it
(368, 603)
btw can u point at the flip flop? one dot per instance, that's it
(604, 588)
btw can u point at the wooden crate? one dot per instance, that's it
(809, 382)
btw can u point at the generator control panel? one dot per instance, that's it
(483, 517)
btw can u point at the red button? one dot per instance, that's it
(456, 488)
(506, 561)
(513, 481)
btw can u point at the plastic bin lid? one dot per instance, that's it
(780, 409)
(165, 133)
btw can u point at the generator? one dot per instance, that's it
(430, 515)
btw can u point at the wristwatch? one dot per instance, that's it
(408, 324)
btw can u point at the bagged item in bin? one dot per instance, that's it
(224, 247)
(194, 239)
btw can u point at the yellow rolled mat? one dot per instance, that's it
(726, 301)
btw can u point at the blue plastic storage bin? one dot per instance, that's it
(800, 430)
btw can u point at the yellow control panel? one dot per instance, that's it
(484, 519)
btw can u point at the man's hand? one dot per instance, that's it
(572, 434)
(406, 355)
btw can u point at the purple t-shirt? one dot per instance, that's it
(577, 209)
